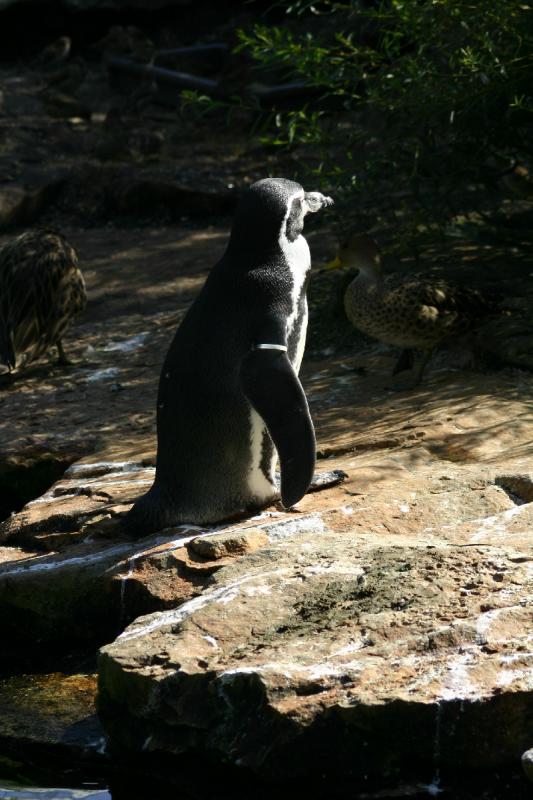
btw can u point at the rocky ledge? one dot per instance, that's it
(381, 627)
(359, 653)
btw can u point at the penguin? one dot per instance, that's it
(230, 401)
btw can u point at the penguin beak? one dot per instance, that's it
(335, 264)
(314, 201)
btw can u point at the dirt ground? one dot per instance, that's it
(418, 462)
(145, 260)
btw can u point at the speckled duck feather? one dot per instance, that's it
(410, 312)
(41, 290)
(413, 313)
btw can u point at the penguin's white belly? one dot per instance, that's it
(300, 345)
(298, 258)
(261, 486)
(299, 261)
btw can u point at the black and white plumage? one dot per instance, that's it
(41, 290)
(229, 389)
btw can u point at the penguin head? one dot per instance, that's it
(272, 211)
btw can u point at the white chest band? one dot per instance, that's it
(281, 347)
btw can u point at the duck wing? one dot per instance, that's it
(440, 304)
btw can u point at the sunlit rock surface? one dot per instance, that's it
(333, 644)
(384, 622)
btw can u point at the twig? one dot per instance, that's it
(197, 49)
(160, 74)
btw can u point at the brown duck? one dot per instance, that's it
(411, 313)
(41, 290)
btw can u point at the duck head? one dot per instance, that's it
(360, 252)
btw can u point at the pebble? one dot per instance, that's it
(527, 764)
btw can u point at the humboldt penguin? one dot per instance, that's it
(412, 313)
(41, 290)
(229, 399)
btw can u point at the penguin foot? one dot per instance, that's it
(153, 512)
(148, 515)
(324, 480)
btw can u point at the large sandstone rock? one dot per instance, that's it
(81, 578)
(356, 625)
(350, 651)
(70, 575)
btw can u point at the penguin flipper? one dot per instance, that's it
(275, 392)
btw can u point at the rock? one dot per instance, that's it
(145, 144)
(92, 580)
(21, 206)
(86, 595)
(85, 492)
(527, 764)
(235, 543)
(120, 40)
(148, 195)
(520, 487)
(106, 189)
(66, 78)
(317, 650)
(99, 579)
(64, 106)
(27, 469)
(380, 614)
(87, 5)
(53, 54)
(509, 340)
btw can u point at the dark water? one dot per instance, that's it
(18, 793)
(52, 747)
(512, 788)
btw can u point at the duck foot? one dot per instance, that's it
(6, 380)
(62, 357)
(401, 381)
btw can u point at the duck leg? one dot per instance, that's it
(413, 378)
(405, 361)
(426, 355)
(62, 357)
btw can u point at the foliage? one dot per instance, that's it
(433, 97)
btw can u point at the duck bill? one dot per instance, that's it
(335, 264)
(315, 201)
